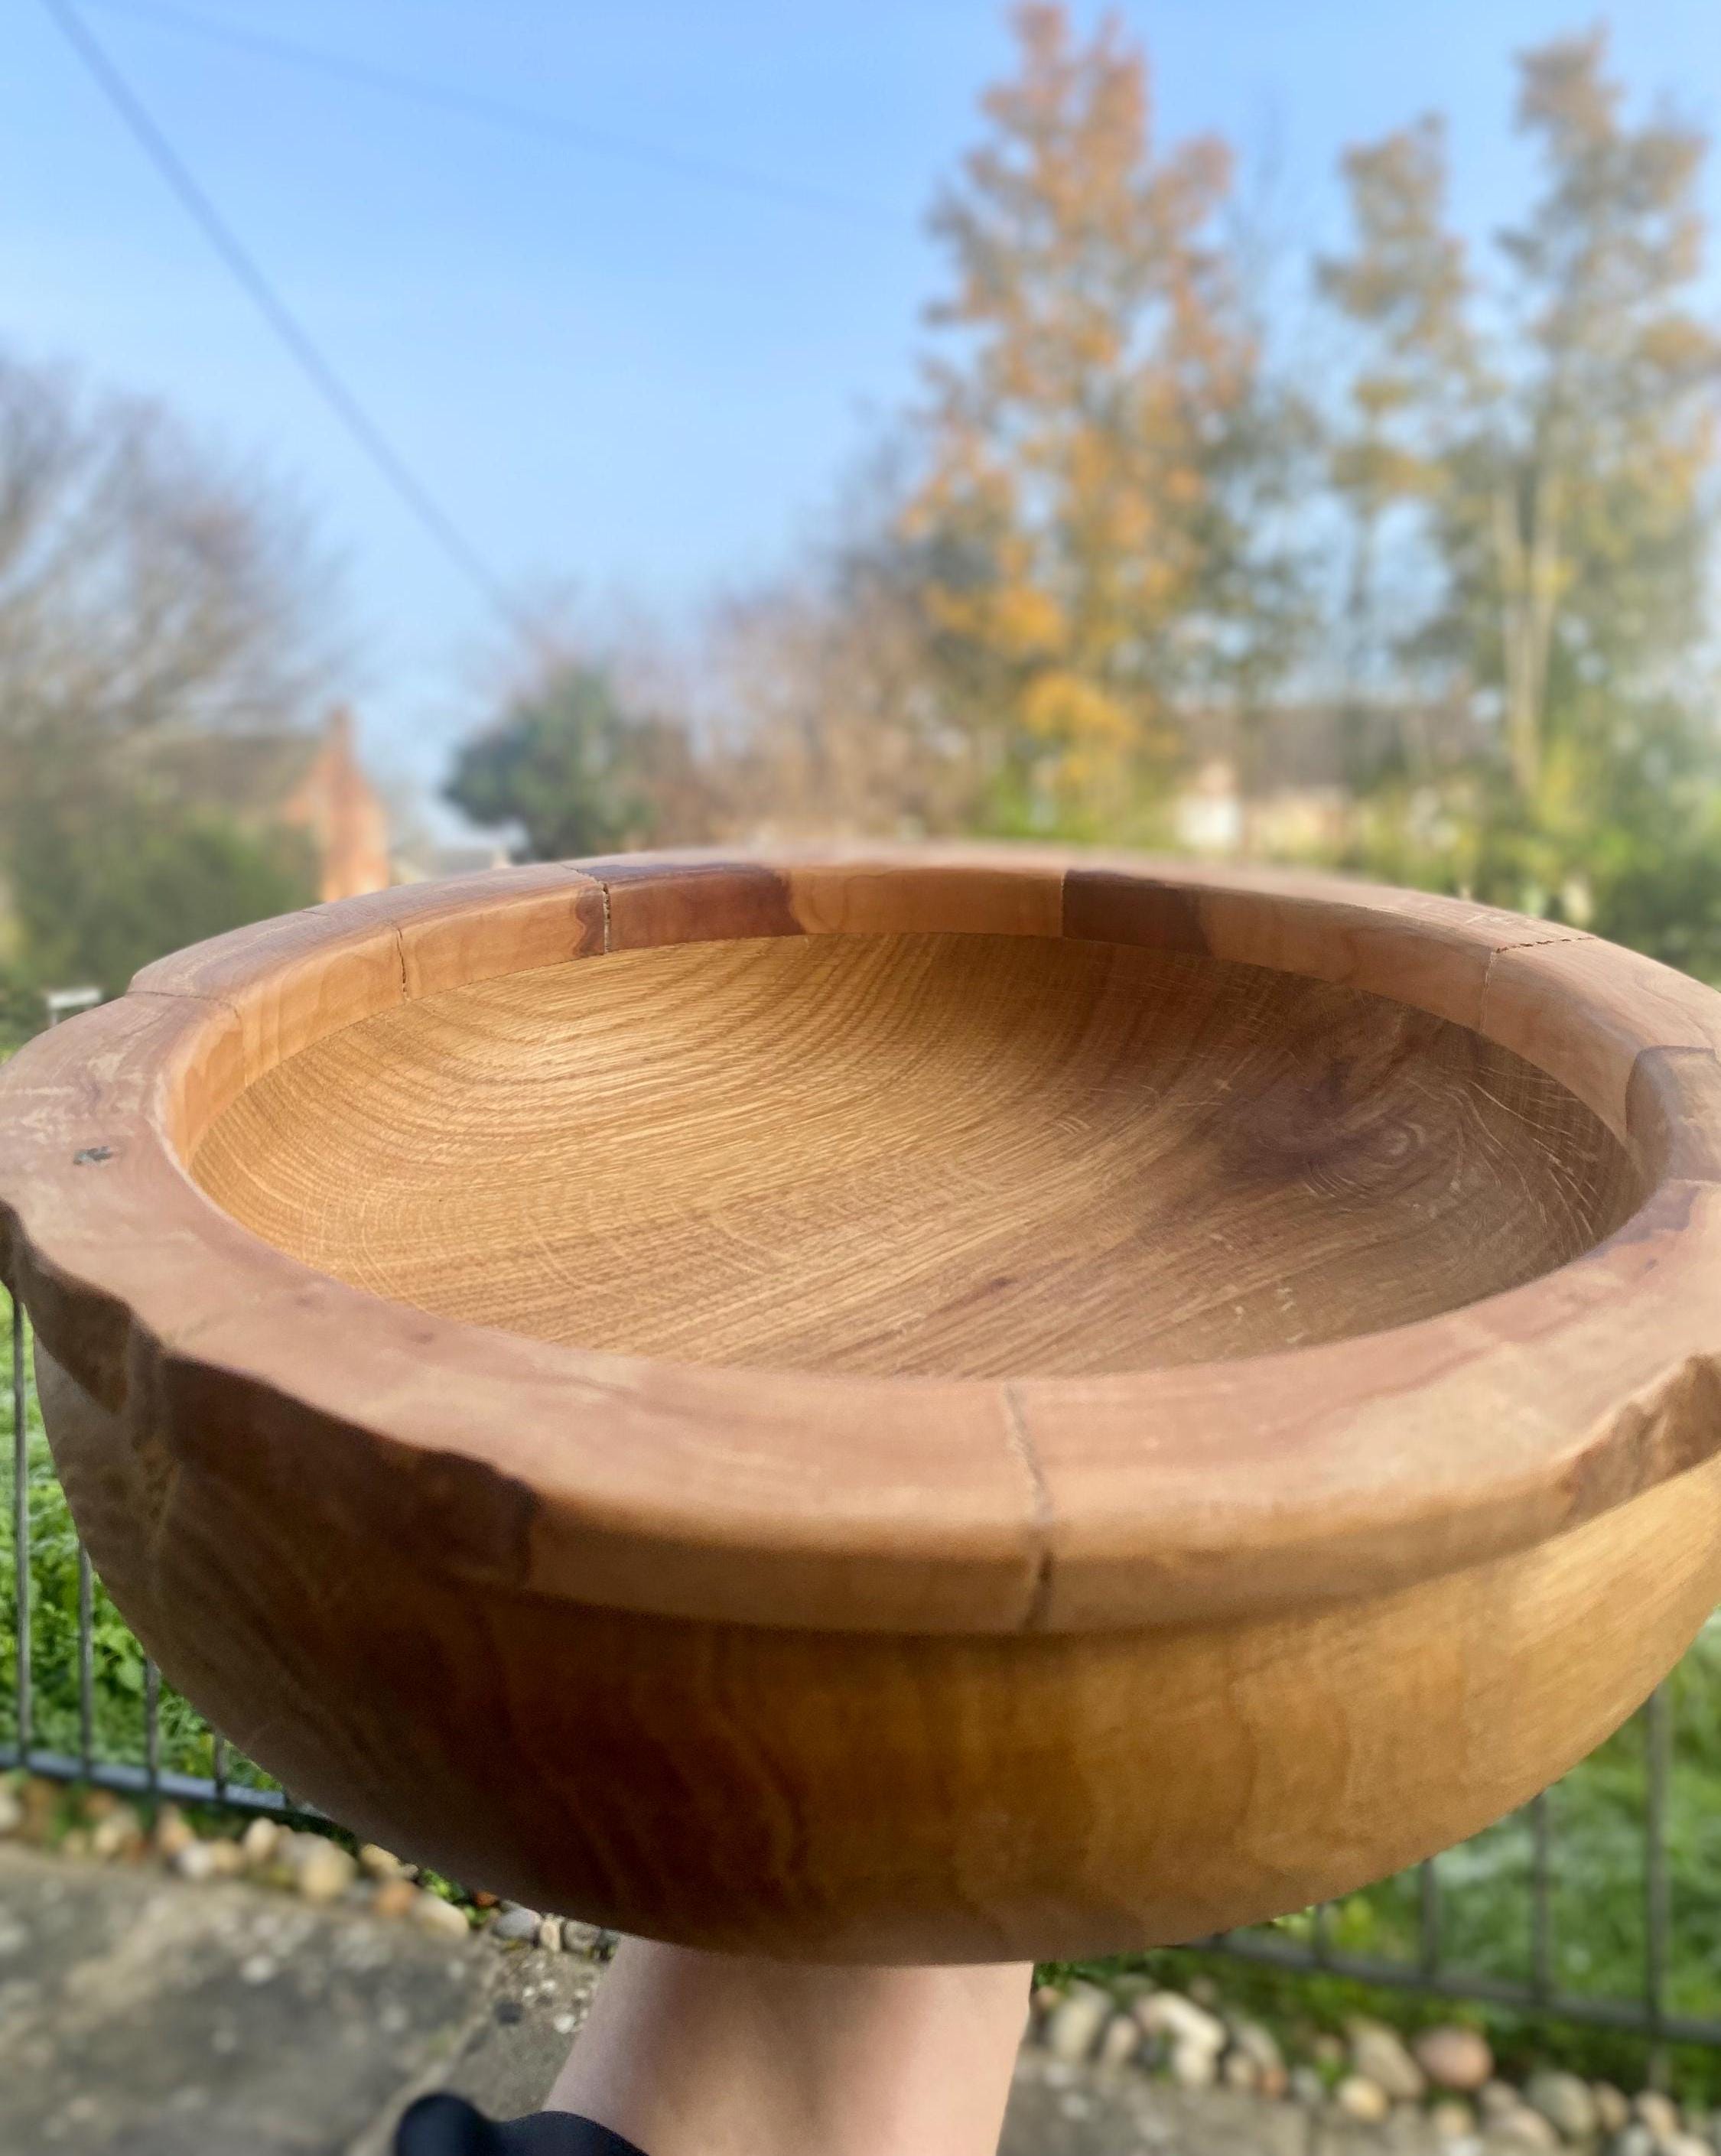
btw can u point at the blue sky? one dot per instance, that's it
(628, 372)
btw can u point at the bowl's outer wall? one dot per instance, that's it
(857, 1796)
(864, 1670)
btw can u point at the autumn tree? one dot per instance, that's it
(1551, 442)
(1415, 382)
(1563, 461)
(1576, 532)
(834, 717)
(1075, 525)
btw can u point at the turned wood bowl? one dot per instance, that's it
(926, 1406)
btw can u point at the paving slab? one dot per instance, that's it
(141, 2015)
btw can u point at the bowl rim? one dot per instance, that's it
(1297, 1476)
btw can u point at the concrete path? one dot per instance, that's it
(143, 2016)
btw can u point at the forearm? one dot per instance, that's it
(707, 2055)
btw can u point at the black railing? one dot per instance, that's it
(94, 1756)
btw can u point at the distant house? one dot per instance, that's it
(1287, 786)
(424, 857)
(309, 781)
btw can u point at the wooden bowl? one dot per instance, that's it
(930, 1406)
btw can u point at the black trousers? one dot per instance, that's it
(449, 2126)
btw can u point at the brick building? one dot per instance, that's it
(309, 781)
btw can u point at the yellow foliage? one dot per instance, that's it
(1061, 707)
(1025, 621)
(1071, 440)
(957, 614)
(1185, 486)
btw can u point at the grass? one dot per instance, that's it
(1596, 1815)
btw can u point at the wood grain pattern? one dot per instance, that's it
(870, 1797)
(864, 1405)
(950, 1156)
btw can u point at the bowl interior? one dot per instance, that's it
(951, 1155)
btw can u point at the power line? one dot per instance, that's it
(312, 363)
(505, 112)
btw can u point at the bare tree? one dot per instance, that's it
(841, 730)
(147, 584)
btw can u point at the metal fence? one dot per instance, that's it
(1418, 1933)
(231, 1782)
(1536, 1993)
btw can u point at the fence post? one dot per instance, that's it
(1658, 1742)
(21, 1531)
(1541, 1896)
(1428, 1917)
